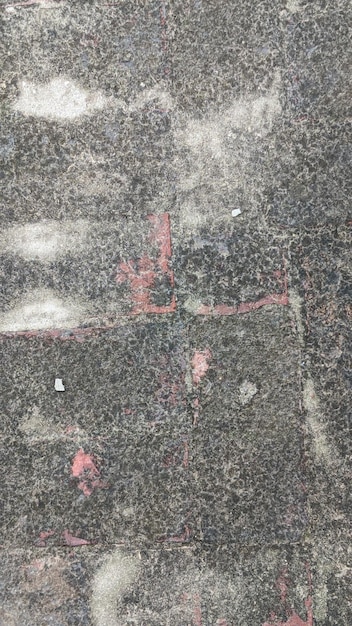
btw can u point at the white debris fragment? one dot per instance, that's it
(236, 212)
(59, 386)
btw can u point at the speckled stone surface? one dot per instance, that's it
(175, 255)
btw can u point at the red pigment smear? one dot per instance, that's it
(43, 536)
(195, 405)
(196, 606)
(200, 364)
(70, 540)
(197, 611)
(84, 468)
(282, 586)
(142, 274)
(293, 619)
(246, 307)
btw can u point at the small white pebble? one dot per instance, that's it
(59, 386)
(236, 212)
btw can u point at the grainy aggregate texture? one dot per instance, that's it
(175, 313)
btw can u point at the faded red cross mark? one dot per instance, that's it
(143, 273)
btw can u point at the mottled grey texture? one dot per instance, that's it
(202, 445)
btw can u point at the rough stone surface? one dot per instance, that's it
(175, 247)
(252, 451)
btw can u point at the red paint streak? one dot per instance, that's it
(244, 307)
(195, 405)
(200, 364)
(194, 599)
(197, 611)
(293, 619)
(247, 307)
(70, 540)
(43, 536)
(142, 274)
(282, 585)
(85, 469)
(221, 622)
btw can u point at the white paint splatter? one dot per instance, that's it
(161, 97)
(247, 392)
(36, 427)
(296, 308)
(217, 155)
(293, 6)
(45, 240)
(41, 309)
(252, 115)
(118, 572)
(60, 99)
(324, 449)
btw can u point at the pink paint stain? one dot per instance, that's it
(293, 619)
(244, 307)
(200, 364)
(70, 540)
(197, 611)
(196, 409)
(85, 469)
(142, 274)
(195, 601)
(43, 536)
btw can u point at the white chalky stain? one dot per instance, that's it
(220, 146)
(41, 309)
(37, 427)
(60, 99)
(247, 392)
(324, 449)
(118, 572)
(293, 6)
(252, 115)
(45, 240)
